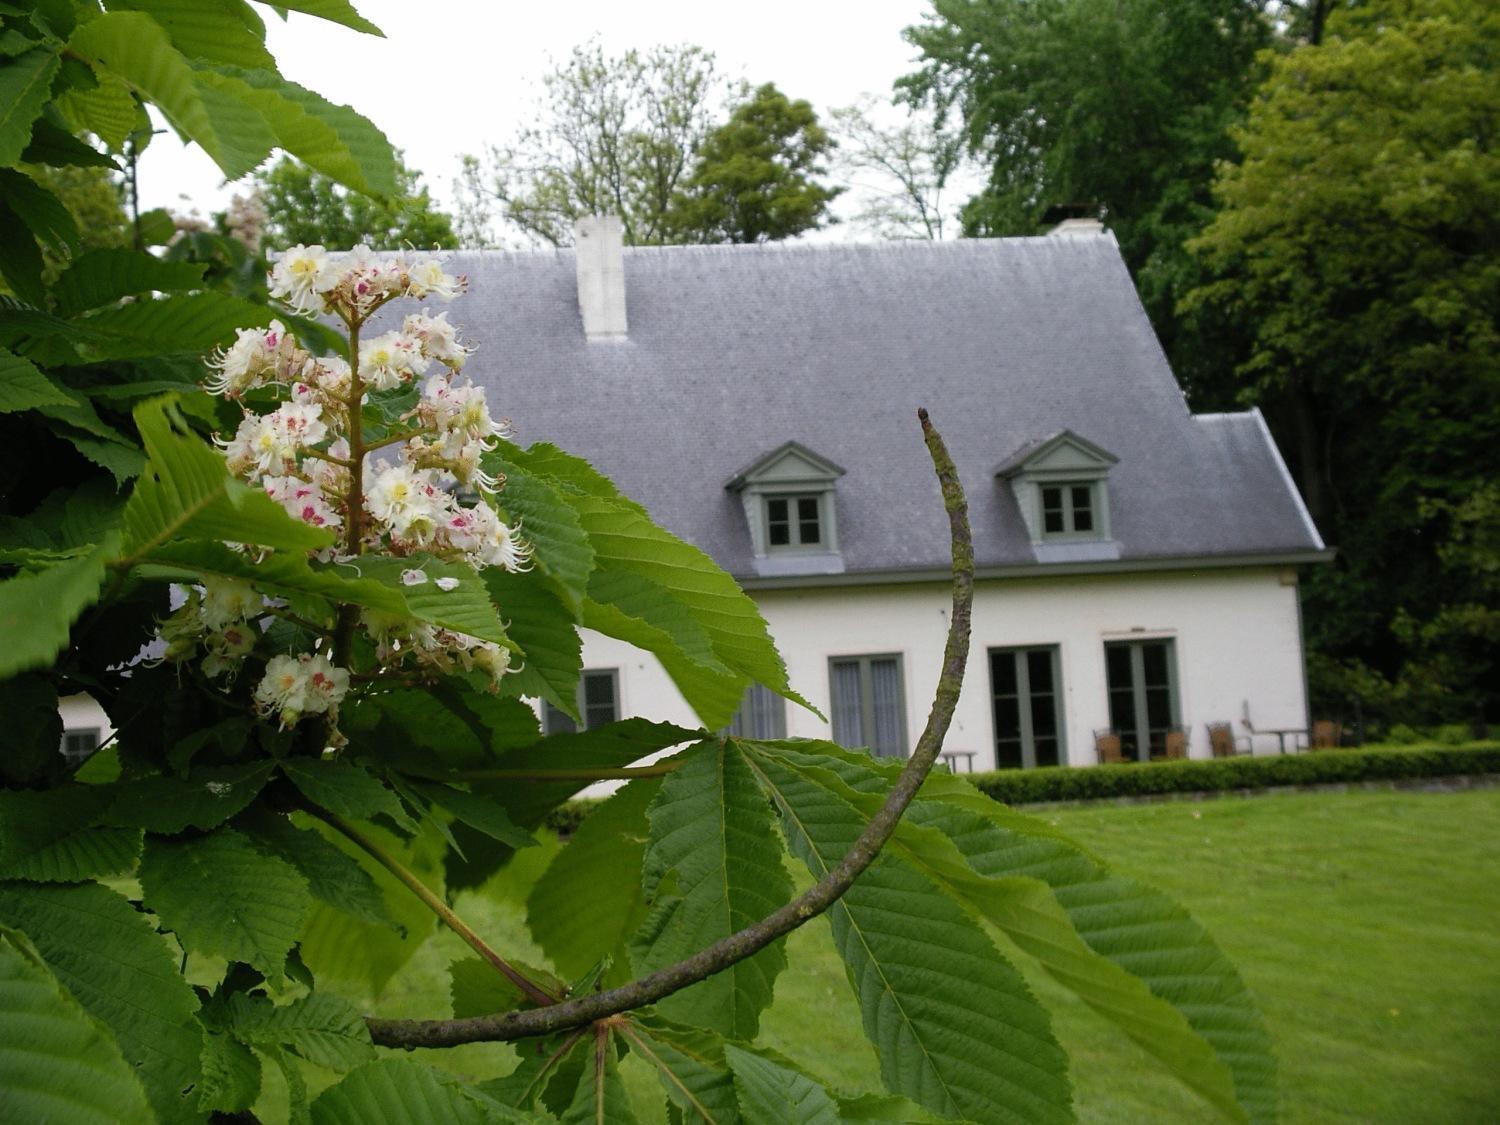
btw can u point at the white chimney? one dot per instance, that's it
(1072, 228)
(599, 248)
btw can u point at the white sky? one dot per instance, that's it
(452, 75)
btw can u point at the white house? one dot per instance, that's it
(1137, 564)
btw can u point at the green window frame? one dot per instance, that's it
(1026, 705)
(796, 522)
(78, 743)
(1070, 509)
(598, 700)
(868, 696)
(1143, 700)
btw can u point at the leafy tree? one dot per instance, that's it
(1118, 104)
(1356, 245)
(612, 135)
(333, 732)
(899, 173)
(309, 207)
(752, 178)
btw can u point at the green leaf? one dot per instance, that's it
(124, 462)
(53, 145)
(37, 610)
(108, 110)
(212, 30)
(690, 1064)
(401, 1092)
(101, 277)
(333, 139)
(110, 957)
(33, 733)
(566, 473)
(1026, 911)
(332, 876)
(600, 1098)
(221, 895)
(230, 1081)
(169, 805)
(44, 214)
(135, 48)
(589, 901)
(479, 812)
(547, 1076)
(25, 87)
(714, 835)
(542, 626)
(336, 11)
(187, 492)
(20, 259)
(773, 1094)
(322, 1028)
(363, 955)
(477, 989)
(195, 322)
(24, 387)
(465, 609)
(56, 1063)
(636, 609)
(954, 1025)
(346, 790)
(560, 547)
(49, 835)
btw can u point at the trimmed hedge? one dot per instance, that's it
(1321, 767)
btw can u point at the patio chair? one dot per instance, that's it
(1175, 745)
(1326, 734)
(1224, 743)
(1107, 744)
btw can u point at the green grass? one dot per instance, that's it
(1367, 925)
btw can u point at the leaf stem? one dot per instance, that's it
(530, 988)
(753, 938)
(400, 435)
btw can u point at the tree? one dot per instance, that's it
(752, 177)
(899, 173)
(1356, 242)
(1122, 105)
(308, 207)
(334, 730)
(612, 135)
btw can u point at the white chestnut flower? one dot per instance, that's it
(425, 278)
(387, 361)
(302, 276)
(227, 600)
(303, 499)
(295, 686)
(257, 356)
(439, 339)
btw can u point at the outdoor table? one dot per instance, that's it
(951, 757)
(1281, 734)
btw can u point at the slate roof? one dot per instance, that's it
(733, 351)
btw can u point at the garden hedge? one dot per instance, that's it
(1068, 783)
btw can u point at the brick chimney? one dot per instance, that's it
(599, 249)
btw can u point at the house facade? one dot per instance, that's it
(1136, 564)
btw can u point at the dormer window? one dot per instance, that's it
(1061, 487)
(790, 511)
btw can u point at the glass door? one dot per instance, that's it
(1142, 678)
(1025, 689)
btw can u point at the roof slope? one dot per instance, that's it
(733, 351)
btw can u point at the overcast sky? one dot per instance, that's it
(452, 75)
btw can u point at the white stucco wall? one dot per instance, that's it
(1236, 635)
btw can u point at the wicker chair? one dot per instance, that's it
(1107, 744)
(1224, 743)
(1326, 734)
(1175, 745)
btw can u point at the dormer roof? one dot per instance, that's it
(1062, 452)
(790, 464)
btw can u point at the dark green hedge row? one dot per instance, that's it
(1068, 783)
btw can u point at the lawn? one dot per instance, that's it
(1367, 924)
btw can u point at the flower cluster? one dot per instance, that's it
(308, 424)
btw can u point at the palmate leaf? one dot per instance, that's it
(169, 805)
(401, 1092)
(25, 87)
(192, 322)
(230, 1081)
(224, 31)
(542, 626)
(111, 959)
(136, 49)
(322, 1028)
(51, 144)
(560, 547)
(187, 492)
(691, 1065)
(773, 1094)
(600, 1098)
(332, 876)
(716, 838)
(589, 901)
(1025, 909)
(38, 610)
(101, 277)
(333, 139)
(52, 835)
(108, 110)
(24, 387)
(346, 789)
(56, 1063)
(958, 1033)
(221, 895)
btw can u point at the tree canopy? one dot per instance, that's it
(659, 138)
(1357, 244)
(306, 206)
